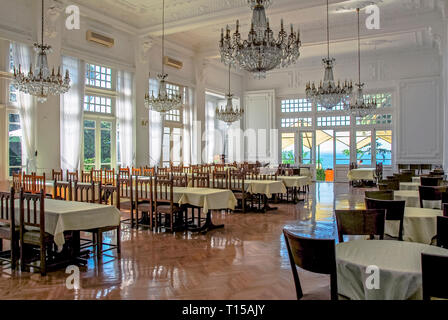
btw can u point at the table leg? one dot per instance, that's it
(208, 225)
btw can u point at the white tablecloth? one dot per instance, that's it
(266, 187)
(412, 199)
(410, 186)
(362, 174)
(61, 216)
(399, 263)
(207, 199)
(419, 225)
(295, 181)
(416, 180)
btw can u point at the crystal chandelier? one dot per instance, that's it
(261, 52)
(41, 83)
(229, 114)
(359, 106)
(164, 101)
(328, 94)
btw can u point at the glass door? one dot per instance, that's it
(325, 155)
(306, 147)
(341, 155)
(99, 150)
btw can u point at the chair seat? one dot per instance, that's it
(240, 195)
(166, 209)
(144, 207)
(33, 237)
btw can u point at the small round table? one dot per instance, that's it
(410, 186)
(412, 198)
(399, 264)
(419, 225)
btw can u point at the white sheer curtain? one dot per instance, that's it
(27, 108)
(72, 114)
(125, 117)
(155, 129)
(188, 152)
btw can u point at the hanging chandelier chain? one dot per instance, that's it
(43, 22)
(163, 38)
(328, 32)
(359, 48)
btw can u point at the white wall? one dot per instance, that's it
(414, 77)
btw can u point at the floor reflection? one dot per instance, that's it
(245, 260)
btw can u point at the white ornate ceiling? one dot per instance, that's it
(196, 24)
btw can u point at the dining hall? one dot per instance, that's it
(209, 150)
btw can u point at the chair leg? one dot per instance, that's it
(99, 245)
(119, 239)
(43, 260)
(171, 222)
(1, 244)
(22, 256)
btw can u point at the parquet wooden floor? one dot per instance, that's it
(245, 260)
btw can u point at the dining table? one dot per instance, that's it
(411, 186)
(412, 199)
(364, 174)
(419, 225)
(398, 264)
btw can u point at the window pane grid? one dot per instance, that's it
(374, 119)
(296, 122)
(384, 100)
(296, 105)
(333, 121)
(98, 104)
(98, 76)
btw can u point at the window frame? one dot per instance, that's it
(353, 127)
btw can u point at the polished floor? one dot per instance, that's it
(245, 260)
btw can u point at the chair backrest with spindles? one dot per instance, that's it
(110, 194)
(57, 175)
(220, 180)
(72, 176)
(108, 177)
(7, 210)
(163, 191)
(180, 179)
(87, 176)
(84, 192)
(201, 180)
(17, 182)
(148, 172)
(32, 212)
(137, 172)
(39, 183)
(62, 190)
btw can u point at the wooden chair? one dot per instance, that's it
(17, 182)
(28, 183)
(394, 211)
(237, 185)
(109, 195)
(39, 184)
(148, 172)
(431, 181)
(360, 222)
(404, 177)
(379, 171)
(164, 202)
(442, 232)
(180, 179)
(72, 176)
(380, 195)
(314, 255)
(32, 229)
(220, 180)
(124, 173)
(8, 229)
(57, 175)
(273, 177)
(97, 175)
(126, 194)
(108, 177)
(219, 168)
(427, 193)
(402, 167)
(389, 184)
(200, 180)
(434, 276)
(445, 209)
(163, 171)
(84, 192)
(144, 201)
(87, 176)
(62, 190)
(137, 172)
